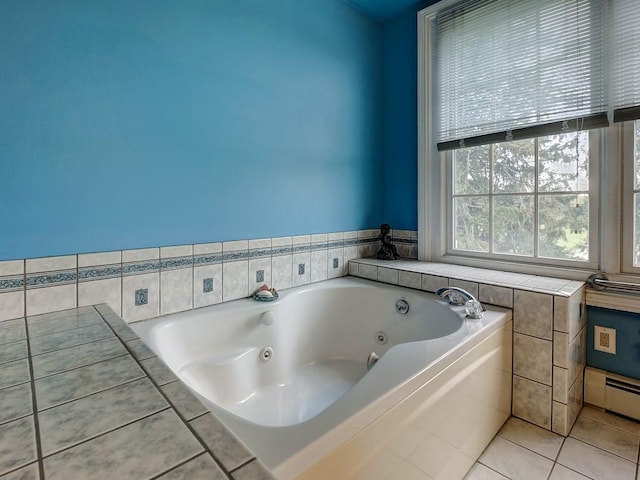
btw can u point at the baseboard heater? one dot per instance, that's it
(612, 392)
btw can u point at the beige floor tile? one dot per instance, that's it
(630, 426)
(381, 465)
(534, 438)
(514, 461)
(594, 462)
(433, 456)
(481, 472)
(563, 473)
(406, 471)
(606, 437)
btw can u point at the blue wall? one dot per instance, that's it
(400, 151)
(155, 122)
(626, 361)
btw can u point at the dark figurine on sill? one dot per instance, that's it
(387, 250)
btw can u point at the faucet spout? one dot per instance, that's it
(459, 296)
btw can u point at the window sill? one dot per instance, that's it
(527, 282)
(535, 269)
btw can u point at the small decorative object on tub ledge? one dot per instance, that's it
(265, 294)
(387, 250)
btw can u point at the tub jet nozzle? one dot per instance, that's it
(265, 354)
(267, 318)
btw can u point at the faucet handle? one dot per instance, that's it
(458, 296)
(474, 309)
(455, 296)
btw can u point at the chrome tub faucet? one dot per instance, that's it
(460, 297)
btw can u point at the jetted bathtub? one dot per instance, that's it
(338, 380)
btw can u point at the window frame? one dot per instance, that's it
(434, 184)
(593, 192)
(627, 148)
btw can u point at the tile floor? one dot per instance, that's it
(600, 446)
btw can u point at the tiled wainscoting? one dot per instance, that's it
(549, 330)
(144, 283)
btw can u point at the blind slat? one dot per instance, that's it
(624, 26)
(511, 65)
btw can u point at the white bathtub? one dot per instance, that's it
(302, 409)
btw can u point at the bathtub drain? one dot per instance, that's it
(265, 354)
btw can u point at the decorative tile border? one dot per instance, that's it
(207, 259)
(97, 280)
(176, 263)
(135, 268)
(86, 274)
(235, 256)
(12, 283)
(39, 280)
(260, 253)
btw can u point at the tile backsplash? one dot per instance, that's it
(144, 283)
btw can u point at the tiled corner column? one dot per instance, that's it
(549, 339)
(569, 359)
(532, 357)
(549, 345)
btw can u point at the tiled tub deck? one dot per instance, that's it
(81, 393)
(549, 329)
(82, 397)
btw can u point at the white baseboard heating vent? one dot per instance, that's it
(612, 392)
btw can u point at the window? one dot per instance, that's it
(520, 104)
(636, 194)
(527, 198)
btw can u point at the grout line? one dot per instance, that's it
(600, 448)
(89, 363)
(93, 392)
(175, 467)
(24, 288)
(522, 446)
(197, 416)
(609, 425)
(193, 281)
(84, 342)
(564, 439)
(637, 462)
(34, 406)
(77, 282)
(121, 287)
(90, 394)
(65, 330)
(93, 437)
(253, 459)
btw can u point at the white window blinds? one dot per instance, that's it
(509, 69)
(624, 28)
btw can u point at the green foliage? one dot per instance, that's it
(496, 188)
